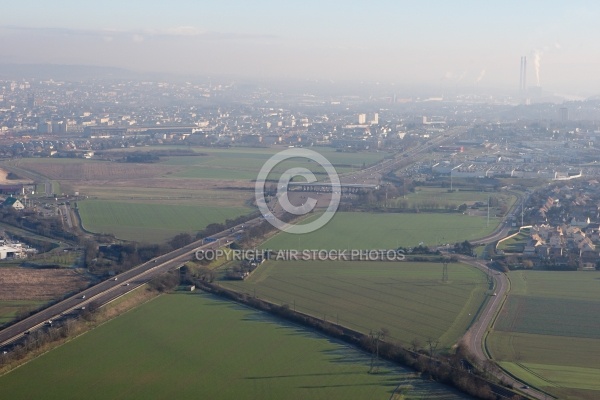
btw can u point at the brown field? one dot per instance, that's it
(161, 183)
(38, 284)
(4, 181)
(92, 171)
(83, 176)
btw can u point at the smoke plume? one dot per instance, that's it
(480, 77)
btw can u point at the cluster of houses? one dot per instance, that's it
(567, 244)
(564, 230)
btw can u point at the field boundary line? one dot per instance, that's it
(529, 370)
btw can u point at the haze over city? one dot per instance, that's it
(289, 200)
(440, 44)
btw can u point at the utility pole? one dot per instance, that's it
(522, 210)
(488, 212)
(445, 271)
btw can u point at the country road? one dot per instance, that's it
(476, 335)
(106, 291)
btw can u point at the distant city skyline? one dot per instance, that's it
(467, 44)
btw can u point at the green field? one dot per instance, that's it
(245, 163)
(10, 308)
(192, 346)
(550, 316)
(424, 196)
(386, 230)
(515, 244)
(169, 197)
(547, 333)
(150, 222)
(409, 299)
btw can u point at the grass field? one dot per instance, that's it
(441, 196)
(10, 308)
(551, 316)
(386, 230)
(409, 299)
(545, 349)
(547, 333)
(236, 163)
(244, 163)
(515, 244)
(190, 346)
(26, 289)
(150, 222)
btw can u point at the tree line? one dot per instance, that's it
(451, 369)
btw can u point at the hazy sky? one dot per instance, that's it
(447, 43)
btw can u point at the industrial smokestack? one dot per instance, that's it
(524, 74)
(521, 75)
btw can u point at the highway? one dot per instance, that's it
(121, 284)
(141, 274)
(117, 286)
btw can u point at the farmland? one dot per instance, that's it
(151, 222)
(188, 346)
(155, 201)
(244, 163)
(386, 230)
(547, 333)
(409, 299)
(551, 316)
(209, 163)
(9, 309)
(424, 196)
(26, 289)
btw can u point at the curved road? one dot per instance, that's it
(129, 280)
(476, 335)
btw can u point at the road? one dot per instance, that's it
(117, 286)
(129, 280)
(65, 212)
(476, 335)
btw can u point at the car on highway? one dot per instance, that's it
(83, 296)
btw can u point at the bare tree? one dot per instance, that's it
(376, 337)
(415, 345)
(432, 345)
